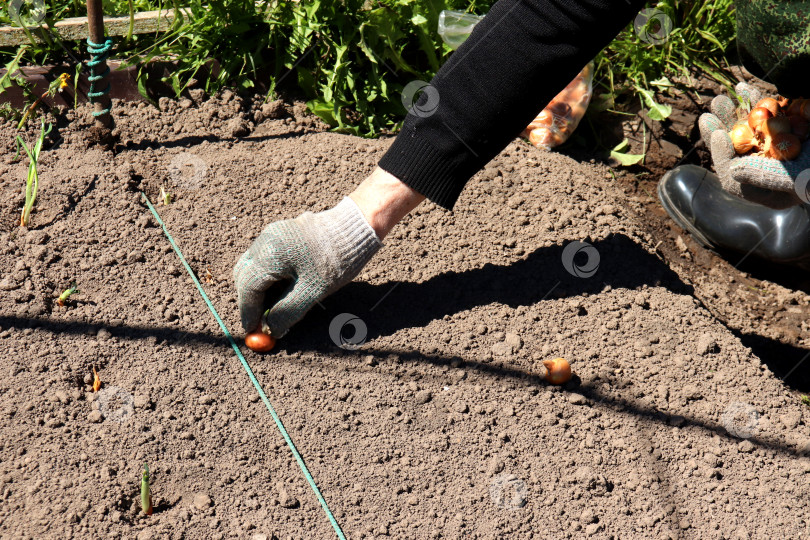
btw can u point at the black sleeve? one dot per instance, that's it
(516, 60)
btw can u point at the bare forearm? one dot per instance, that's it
(384, 201)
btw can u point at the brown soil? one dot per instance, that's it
(440, 425)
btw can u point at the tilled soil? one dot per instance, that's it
(439, 426)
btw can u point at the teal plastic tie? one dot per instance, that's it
(249, 371)
(99, 52)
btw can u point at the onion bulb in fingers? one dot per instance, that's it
(260, 342)
(775, 125)
(769, 103)
(783, 146)
(742, 137)
(795, 107)
(757, 117)
(800, 126)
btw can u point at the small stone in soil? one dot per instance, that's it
(202, 501)
(94, 417)
(142, 401)
(746, 447)
(576, 399)
(423, 396)
(284, 498)
(706, 344)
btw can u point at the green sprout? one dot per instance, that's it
(32, 182)
(63, 298)
(165, 196)
(146, 492)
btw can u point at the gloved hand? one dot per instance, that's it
(758, 179)
(317, 253)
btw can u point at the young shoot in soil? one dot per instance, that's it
(165, 196)
(32, 182)
(63, 298)
(146, 492)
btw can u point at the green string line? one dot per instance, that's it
(99, 52)
(253, 379)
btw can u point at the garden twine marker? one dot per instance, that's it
(249, 371)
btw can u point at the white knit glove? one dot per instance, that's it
(316, 253)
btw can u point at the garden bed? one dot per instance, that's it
(439, 425)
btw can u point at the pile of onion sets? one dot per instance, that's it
(562, 115)
(774, 128)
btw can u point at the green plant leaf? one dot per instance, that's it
(323, 110)
(657, 111)
(11, 68)
(618, 153)
(662, 83)
(418, 20)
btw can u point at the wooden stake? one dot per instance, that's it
(95, 20)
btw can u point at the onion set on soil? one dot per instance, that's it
(558, 371)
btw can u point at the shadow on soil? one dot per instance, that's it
(194, 140)
(396, 305)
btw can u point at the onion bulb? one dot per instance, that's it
(545, 118)
(757, 116)
(783, 146)
(541, 137)
(558, 371)
(742, 137)
(770, 104)
(795, 107)
(260, 342)
(800, 126)
(560, 108)
(772, 126)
